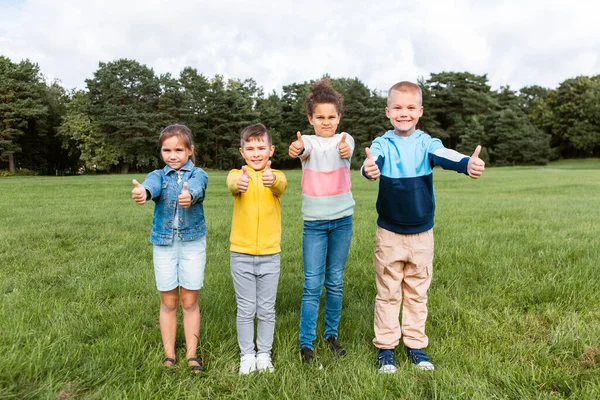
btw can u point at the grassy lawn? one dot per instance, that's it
(514, 307)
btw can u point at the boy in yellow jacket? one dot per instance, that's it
(255, 246)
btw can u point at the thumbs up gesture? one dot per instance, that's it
(243, 180)
(343, 147)
(476, 165)
(296, 147)
(268, 177)
(138, 193)
(185, 197)
(370, 168)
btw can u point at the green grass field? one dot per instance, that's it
(514, 307)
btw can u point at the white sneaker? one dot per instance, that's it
(263, 363)
(247, 364)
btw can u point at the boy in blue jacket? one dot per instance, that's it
(403, 159)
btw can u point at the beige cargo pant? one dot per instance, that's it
(403, 267)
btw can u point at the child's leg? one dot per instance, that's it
(337, 254)
(417, 278)
(192, 260)
(314, 251)
(244, 283)
(266, 291)
(191, 320)
(388, 261)
(168, 321)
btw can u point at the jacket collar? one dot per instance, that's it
(391, 135)
(188, 166)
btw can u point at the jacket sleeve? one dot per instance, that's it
(232, 179)
(447, 158)
(280, 183)
(153, 184)
(197, 183)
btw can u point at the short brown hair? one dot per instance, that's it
(406, 87)
(183, 133)
(254, 131)
(321, 92)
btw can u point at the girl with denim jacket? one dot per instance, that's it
(178, 237)
(327, 208)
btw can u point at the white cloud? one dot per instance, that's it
(515, 43)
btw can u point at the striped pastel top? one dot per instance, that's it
(326, 182)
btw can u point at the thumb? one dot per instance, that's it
(368, 151)
(244, 170)
(299, 136)
(343, 138)
(268, 165)
(136, 183)
(185, 187)
(476, 152)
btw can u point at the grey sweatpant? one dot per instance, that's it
(255, 280)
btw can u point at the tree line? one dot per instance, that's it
(113, 125)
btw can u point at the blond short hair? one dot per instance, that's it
(406, 87)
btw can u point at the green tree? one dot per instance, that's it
(453, 99)
(22, 106)
(83, 138)
(194, 111)
(123, 100)
(511, 139)
(576, 110)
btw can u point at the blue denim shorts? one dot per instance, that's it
(180, 264)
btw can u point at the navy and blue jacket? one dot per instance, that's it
(164, 187)
(405, 202)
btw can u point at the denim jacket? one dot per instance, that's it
(163, 188)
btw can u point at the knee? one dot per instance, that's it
(335, 286)
(266, 314)
(189, 305)
(246, 313)
(169, 304)
(313, 286)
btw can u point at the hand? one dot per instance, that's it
(369, 167)
(476, 165)
(138, 193)
(343, 147)
(185, 197)
(296, 147)
(268, 177)
(243, 180)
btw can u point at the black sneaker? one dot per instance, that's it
(308, 355)
(335, 346)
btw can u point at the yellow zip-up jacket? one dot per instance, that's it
(256, 220)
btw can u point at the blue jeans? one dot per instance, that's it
(325, 246)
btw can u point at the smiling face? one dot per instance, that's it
(404, 110)
(256, 152)
(174, 152)
(325, 119)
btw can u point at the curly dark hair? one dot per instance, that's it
(321, 92)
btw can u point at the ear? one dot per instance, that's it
(421, 112)
(310, 118)
(272, 151)
(387, 112)
(241, 151)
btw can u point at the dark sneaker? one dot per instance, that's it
(387, 361)
(335, 346)
(308, 355)
(420, 359)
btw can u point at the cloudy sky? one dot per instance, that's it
(516, 43)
